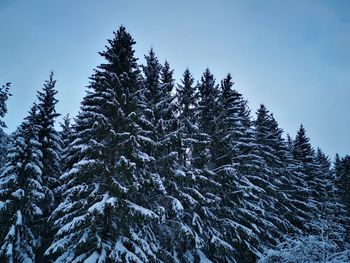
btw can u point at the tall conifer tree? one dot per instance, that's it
(50, 140)
(22, 195)
(105, 215)
(4, 138)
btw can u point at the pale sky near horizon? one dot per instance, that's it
(293, 55)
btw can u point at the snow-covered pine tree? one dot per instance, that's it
(293, 205)
(22, 195)
(302, 150)
(65, 134)
(4, 96)
(4, 138)
(317, 176)
(341, 182)
(206, 111)
(203, 148)
(66, 137)
(158, 85)
(186, 100)
(274, 150)
(50, 147)
(49, 140)
(332, 220)
(242, 174)
(305, 154)
(181, 241)
(323, 171)
(167, 125)
(4, 144)
(106, 211)
(295, 189)
(342, 170)
(290, 144)
(342, 173)
(269, 138)
(186, 222)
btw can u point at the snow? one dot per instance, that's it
(2, 206)
(179, 172)
(221, 243)
(34, 167)
(189, 199)
(121, 251)
(71, 225)
(19, 194)
(7, 169)
(177, 206)
(37, 210)
(96, 257)
(99, 207)
(167, 196)
(9, 252)
(306, 249)
(202, 257)
(139, 210)
(11, 233)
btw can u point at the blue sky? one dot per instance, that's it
(293, 56)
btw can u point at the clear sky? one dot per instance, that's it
(293, 56)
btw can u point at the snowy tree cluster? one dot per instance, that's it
(154, 171)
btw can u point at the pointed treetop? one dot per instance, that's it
(152, 71)
(262, 111)
(4, 95)
(302, 149)
(120, 52)
(207, 86)
(336, 158)
(66, 122)
(208, 78)
(186, 95)
(167, 74)
(47, 101)
(187, 77)
(227, 83)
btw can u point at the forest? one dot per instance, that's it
(154, 170)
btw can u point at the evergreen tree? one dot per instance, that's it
(148, 175)
(269, 138)
(66, 163)
(159, 84)
(4, 96)
(152, 78)
(333, 216)
(50, 140)
(5, 141)
(105, 214)
(219, 246)
(66, 136)
(4, 138)
(229, 138)
(274, 151)
(244, 177)
(22, 195)
(187, 212)
(342, 170)
(302, 149)
(50, 147)
(206, 111)
(186, 98)
(317, 177)
(305, 154)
